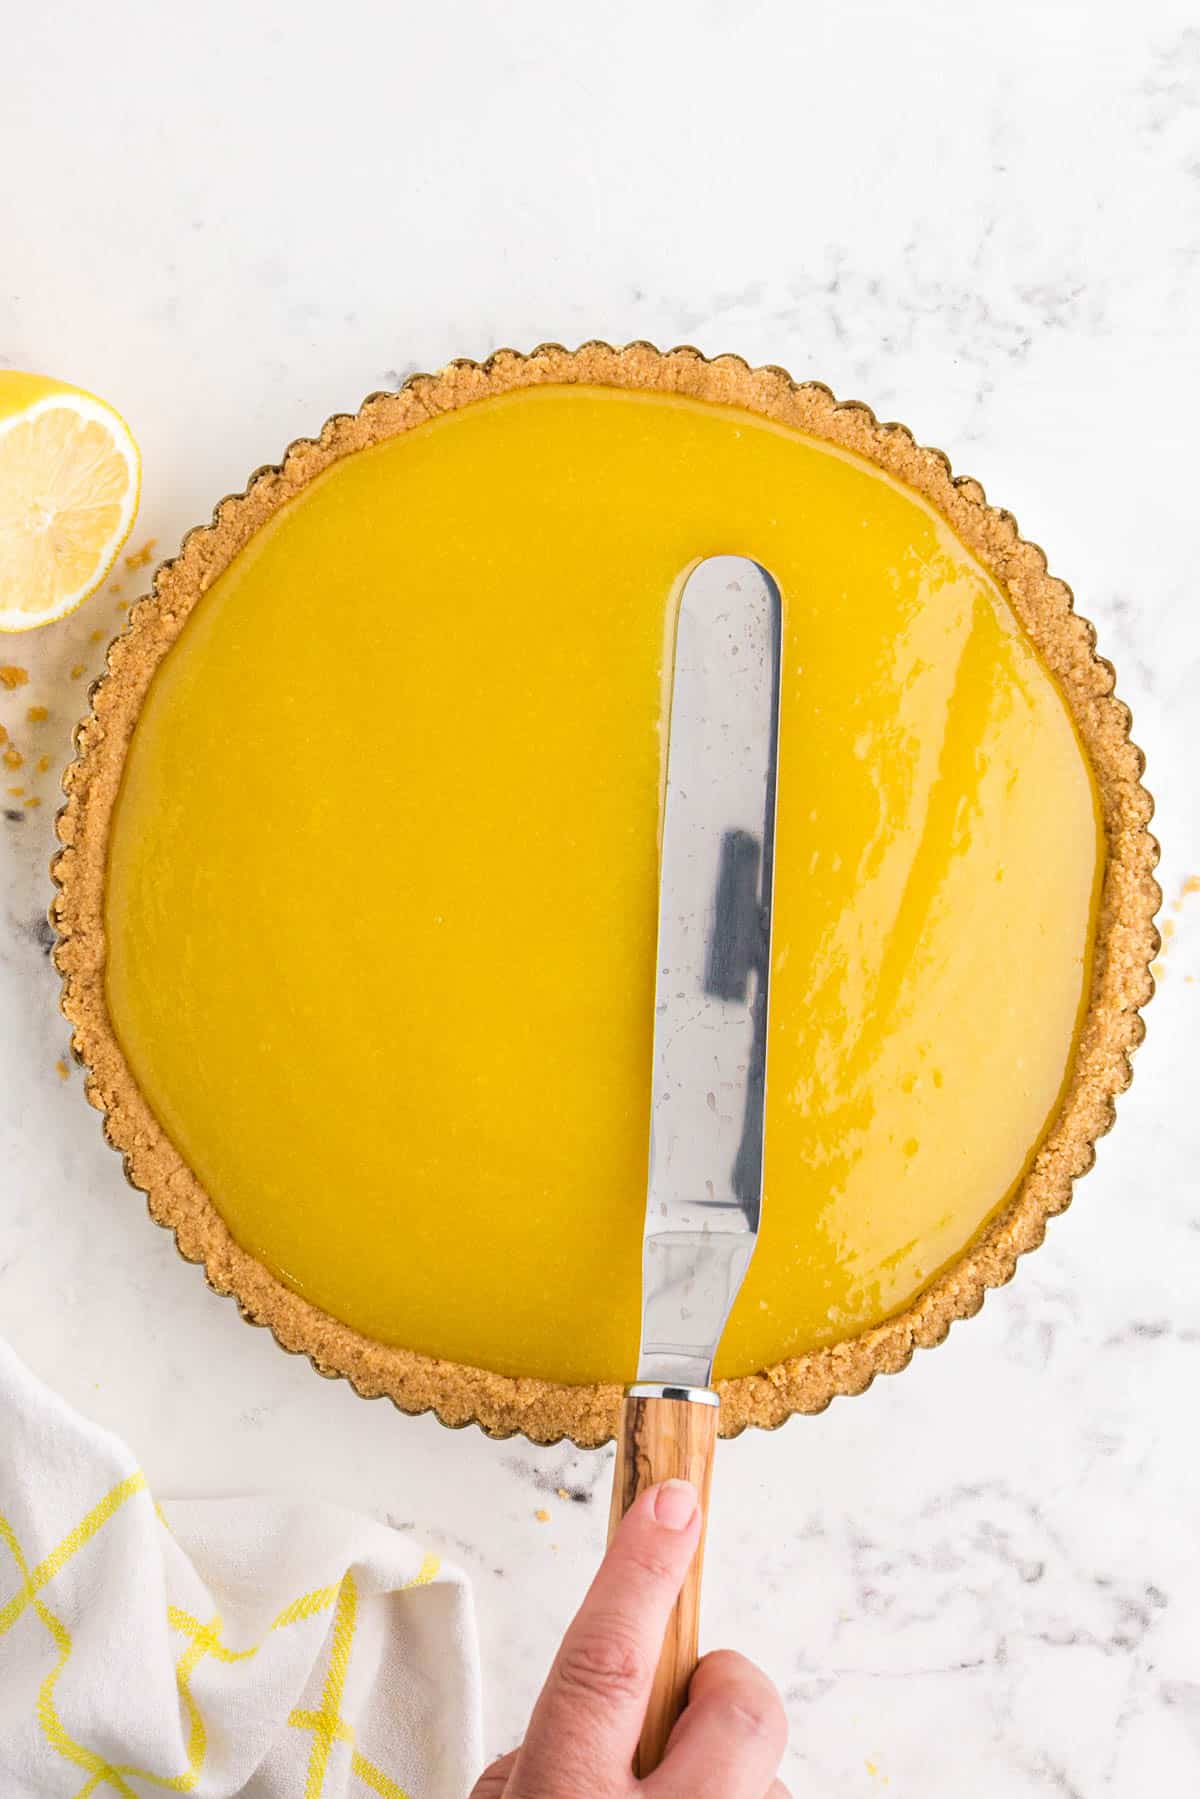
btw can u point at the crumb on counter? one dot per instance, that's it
(141, 558)
(37, 714)
(16, 793)
(11, 677)
(61, 1069)
(76, 671)
(542, 1515)
(13, 757)
(3, 735)
(562, 1493)
(43, 764)
(34, 800)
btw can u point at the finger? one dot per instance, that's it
(777, 1790)
(585, 1725)
(730, 1740)
(493, 1782)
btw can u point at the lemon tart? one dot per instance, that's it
(357, 890)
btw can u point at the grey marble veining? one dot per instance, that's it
(982, 1576)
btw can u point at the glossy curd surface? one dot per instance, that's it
(383, 881)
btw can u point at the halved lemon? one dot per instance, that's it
(70, 475)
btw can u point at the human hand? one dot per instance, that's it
(729, 1740)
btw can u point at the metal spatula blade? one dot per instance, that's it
(711, 997)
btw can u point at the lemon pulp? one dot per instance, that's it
(383, 881)
(70, 476)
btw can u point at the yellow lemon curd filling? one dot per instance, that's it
(382, 887)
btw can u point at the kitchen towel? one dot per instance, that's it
(255, 1646)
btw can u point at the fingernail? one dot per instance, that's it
(675, 1504)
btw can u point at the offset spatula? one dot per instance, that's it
(710, 1055)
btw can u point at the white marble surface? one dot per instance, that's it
(983, 219)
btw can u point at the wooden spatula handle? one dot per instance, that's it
(667, 1438)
